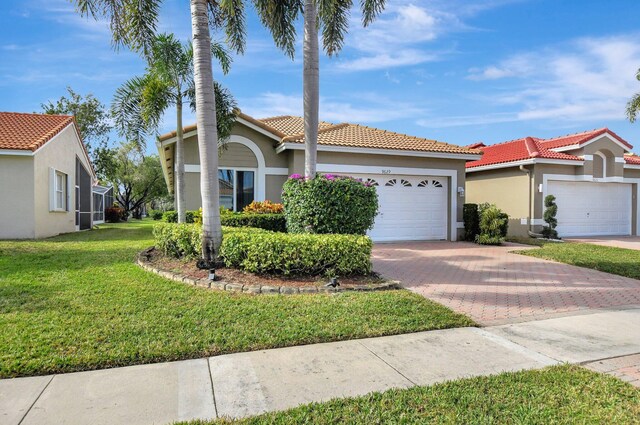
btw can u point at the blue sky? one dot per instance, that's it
(459, 71)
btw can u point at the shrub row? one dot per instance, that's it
(265, 252)
(172, 216)
(155, 214)
(273, 222)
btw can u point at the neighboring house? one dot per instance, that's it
(592, 175)
(102, 199)
(45, 176)
(420, 182)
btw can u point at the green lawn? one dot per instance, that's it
(620, 261)
(556, 395)
(79, 302)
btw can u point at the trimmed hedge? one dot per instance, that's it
(155, 214)
(172, 216)
(178, 240)
(273, 222)
(263, 251)
(290, 254)
(329, 204)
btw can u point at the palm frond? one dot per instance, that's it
(334, 21)
(370, 10)
(633, 107)
(279, 17)
(226, 109)
(223, 56)
(230, 15)
(126, 110)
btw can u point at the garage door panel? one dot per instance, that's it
(411, 207)
(591, 209)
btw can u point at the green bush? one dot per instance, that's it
(113, 214)
(329, 204)
(178, 240)
(549, 231)
(155, 214)
(262, 251)
(172, 216)
(471, 219)
(493, 225)
(273, 222)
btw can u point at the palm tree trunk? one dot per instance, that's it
(207, 131)
(180, 187)
(311, 87)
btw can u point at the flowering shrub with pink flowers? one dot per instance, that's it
(329, 203)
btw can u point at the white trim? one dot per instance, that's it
(604, 163)
(382, 169)
(526, 162)
(588, 142)
(276, 171)
(620, 160)
(460, 225)
(632, 166)
(16, 152)
(588, 178)
(538, 222)
(324, 148)
(587, 157)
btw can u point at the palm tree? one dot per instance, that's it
(133, 23)
(279, 17)
(633, 106)
(140, 103)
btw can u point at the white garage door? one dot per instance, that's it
(592, 209)
(411, 207)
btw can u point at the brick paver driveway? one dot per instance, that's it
(494, 286)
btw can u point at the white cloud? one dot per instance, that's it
(362, 108)
(589, 79)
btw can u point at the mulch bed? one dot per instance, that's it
(188, 268)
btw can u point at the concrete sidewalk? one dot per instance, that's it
(243, 384)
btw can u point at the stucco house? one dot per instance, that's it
(46, 176)
(420, 182)
(593, 175)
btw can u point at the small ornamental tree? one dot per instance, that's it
(493, 225)
(549, 231)
(329, 204)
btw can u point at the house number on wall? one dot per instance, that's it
(386, 171)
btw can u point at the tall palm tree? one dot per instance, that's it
(332, 16)
(133, 23)
(140, 103)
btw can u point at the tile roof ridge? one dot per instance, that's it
(579, 133)
(37, 114)
(320, 131)
(521, 139)
(277, 117)
(532, 147)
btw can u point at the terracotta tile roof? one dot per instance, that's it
(580, 138)
(20, 131)
(518, 150)
(360, 136)
(632, 159)
(289, 125)
(290, 129)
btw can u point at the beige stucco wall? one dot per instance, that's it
(508, 189)
(17, 219)
(59, 153)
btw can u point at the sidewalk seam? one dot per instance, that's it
(36, 400)
(586, 362)
(213, 392)
(385, 362)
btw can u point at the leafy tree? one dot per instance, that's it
(549, 216)
(136, 179)
(133, 23)
(140, 103)
(633, 106)
(332, 17)
(91, 116)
